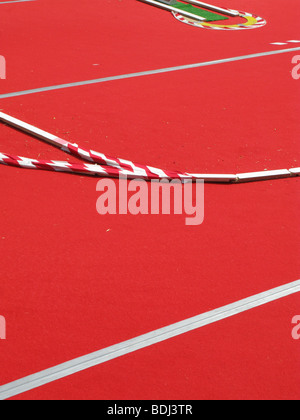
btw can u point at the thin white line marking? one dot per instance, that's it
(146, 73)
(14, 1)
(292, 41)
(93, 359)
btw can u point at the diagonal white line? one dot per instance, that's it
(146, 73)
(14, 1)
(93, 359)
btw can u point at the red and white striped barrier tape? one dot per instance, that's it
(102, 165)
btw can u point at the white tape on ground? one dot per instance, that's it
(93, 359)
(147, 73)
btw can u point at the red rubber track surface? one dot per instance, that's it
(72, 281)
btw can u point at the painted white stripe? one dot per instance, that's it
(147, 73)
(93, 359)
(14, 1)
(292, 41)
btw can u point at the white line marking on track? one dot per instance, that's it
(93, 359)
(292, 41)
(15, 1)
(147, 73)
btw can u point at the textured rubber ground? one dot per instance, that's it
(72, 281)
